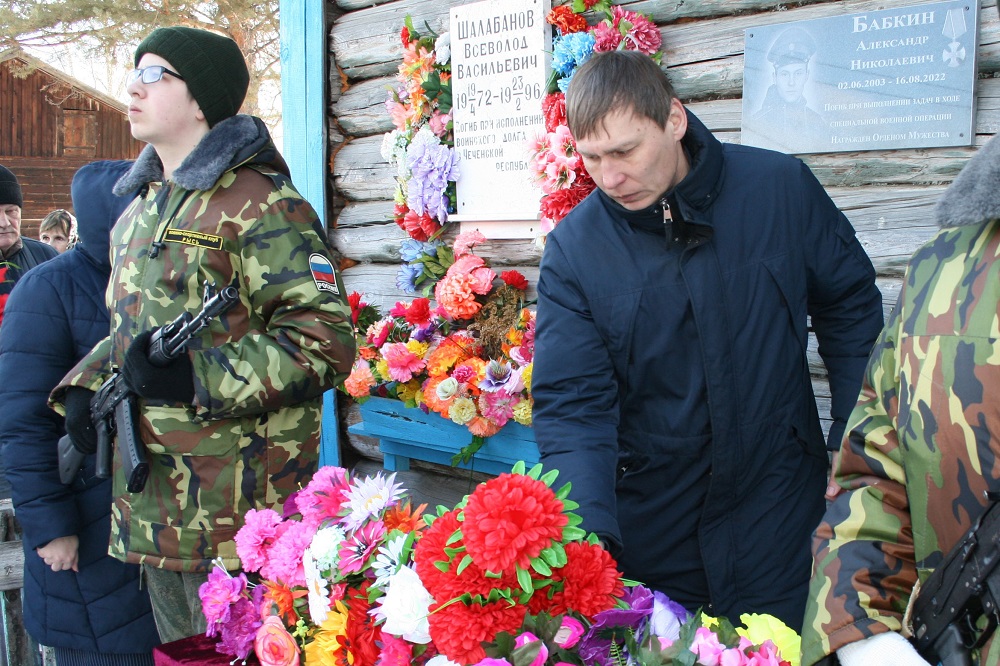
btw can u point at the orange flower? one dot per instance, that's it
(274, 646)
(431, 398)
(482, 427)
(568, 21)
(446, 355)
(284, 600)
(455, 293)
(403, 518)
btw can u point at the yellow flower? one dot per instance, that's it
(462, 410)
(323, 649)
(522, 412)
(382, 368)
(526, 376)
(408, 392)
(708, 621)
(759, 628)
(417, 348)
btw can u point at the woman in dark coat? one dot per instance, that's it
(87, 605)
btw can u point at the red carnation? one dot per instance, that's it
(420, 227)
(590, 581)
(419, 312)
(554, 111)
(354, 300)
(515, 279)
(509, 520)
(564, 18)
(446, 585)
(404, 36)
(458, 630)
(557, 205)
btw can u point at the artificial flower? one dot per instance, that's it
(404, 607)
(274, 646)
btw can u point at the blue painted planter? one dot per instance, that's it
(406, 432)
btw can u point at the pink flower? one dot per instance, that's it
(706, 645)
(395, 651)
(439, 123)
(543, 652)
(356, 550)
(606, 37)
(218, 594)
(324, 496)
(403, 363)
(456, 295)
(569, 632)
(274, 646)
(285, 557)
(497, 406)
(644, 35)
(378, 332)
(465, 241)
(261, 528)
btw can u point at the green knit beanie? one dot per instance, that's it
(212, 66)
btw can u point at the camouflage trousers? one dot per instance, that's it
(175, 601)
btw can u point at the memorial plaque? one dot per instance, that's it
(900, 78)
(499, 53)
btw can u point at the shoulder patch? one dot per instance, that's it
(322, 272)
(196, 238)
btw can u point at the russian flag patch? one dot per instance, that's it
(322, 273)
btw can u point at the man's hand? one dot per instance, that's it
(173, 382)
(832, 487)
(61, 554)
(79, 427)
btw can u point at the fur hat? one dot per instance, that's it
(10, 189)
(211, 64)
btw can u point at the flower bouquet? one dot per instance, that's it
(421, 147)
(351, 574)
(468, 359)
(556, 165)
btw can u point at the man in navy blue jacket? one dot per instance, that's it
(671, 382)
(87, 605)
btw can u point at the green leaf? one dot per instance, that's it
(442, 566)
(563, 492)
(456, 536)
(573, 519)
(535, 471)
(570, 505)
(466, 561)
(524, 580)
(539, 565)
(549, 477)
(518, 467)
(571, 533)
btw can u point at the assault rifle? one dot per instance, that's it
(115, 409)
(951, 605)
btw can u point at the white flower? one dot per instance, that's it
(325, 544)
(369, 497)
(319, 593)
(388, 560)
(441, 660)
(405, 607)
(393, 146)
(442, 49)
(447, 388)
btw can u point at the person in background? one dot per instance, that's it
(923, 441)
(232, 423)
(17, 254)
(87, 605)
(58, 229)
(671, 381)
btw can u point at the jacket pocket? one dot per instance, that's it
(172, 431)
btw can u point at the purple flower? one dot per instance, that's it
(667, 618)
(241, 629)
(432, 164)
(218, 594)
(497, 374)
(423, 334)
(615, 625)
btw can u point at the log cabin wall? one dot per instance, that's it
(888, 195)
(52, 125)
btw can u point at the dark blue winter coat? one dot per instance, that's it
(55, 315)
(671, 383)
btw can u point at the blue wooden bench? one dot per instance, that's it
(406, 433)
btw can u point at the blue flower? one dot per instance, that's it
(570, 51)
(410, 249)
(406, 276)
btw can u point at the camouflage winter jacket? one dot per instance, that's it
(924, 439)
(231, 216)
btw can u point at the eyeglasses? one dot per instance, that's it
(150, 74)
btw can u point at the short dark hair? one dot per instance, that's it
(617, 80)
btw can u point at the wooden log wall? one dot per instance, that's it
(888, 195)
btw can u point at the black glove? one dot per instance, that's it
(79, 427)
(173, 382)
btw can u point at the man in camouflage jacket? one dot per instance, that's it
(234, 423)
(923, 440)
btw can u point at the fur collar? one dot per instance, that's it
(973, 198)
(230, 142)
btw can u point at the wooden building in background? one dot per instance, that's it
(52, 125)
